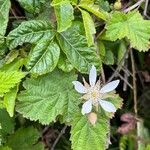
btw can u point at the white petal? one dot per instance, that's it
(92, 76)
(79, 87)
(107, 106)
(87, 107)
(110, 86)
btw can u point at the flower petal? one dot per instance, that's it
(87, 107)
(79, 87)
(92, 76)
(109, 87)
(107, 106)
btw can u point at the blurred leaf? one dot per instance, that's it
(25, 139)
(30, 31)
(6, 123)
(48, 96)
(64, 15)
(43, 57)
(78, 53)
(9, 79)
(86, 136)
(4, 15)
(121, 51)
(9, 100)
(129, 25)
(109, 58)
(5, 148)
(89, 27)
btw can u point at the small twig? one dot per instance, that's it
(59, 136)
(134, 6)
(134, 82)
(145, 9)
(119, 66)
(13, 12)
(123, 78)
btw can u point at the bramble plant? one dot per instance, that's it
(48, 48)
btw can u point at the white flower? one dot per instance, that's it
(94, 94)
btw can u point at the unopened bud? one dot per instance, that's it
(92, 117)
(117, 5)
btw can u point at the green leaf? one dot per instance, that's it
(78, 53)
(25, 139)
(9, 100)
(32, 6)
(59, 2)
(48, 96)
(4, 15)
(64, 64)
(86, 136)
(6, 123)
(95, 10)
(9, 79)
(64, 16)
(89, 27)
(109, 58)
(121, 51)
(43, 57)
(129, 25)
(30, 31)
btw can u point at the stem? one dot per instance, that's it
(134, 82)
(134, 6)
(59, 136)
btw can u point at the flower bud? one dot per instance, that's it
(117, 5)
(92, 117)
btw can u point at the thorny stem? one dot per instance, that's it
(59, 136)
(103, 75)
(134, 82)
(145, 9)
(134, 6)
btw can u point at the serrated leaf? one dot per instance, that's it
(9, 100)
(25, 139)
(89, 27)
(43, 57)
(9, 79)
(78, 53)
(86, 136)
(48, 96)
(95, 10)
(59, 2)
(129, 25)
(4, 15)
(32, 6)
(64, 16)
(30, 32)
(64, 64)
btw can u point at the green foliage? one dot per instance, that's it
(49, 44)
(43, 57)
(9, 79)
(78, 53)
(48, 96)
(9, 100)
(89, 27)
(64, 15)
(26, 139)
(31, 32)
(85, 135)
(129, 25)
(32, 6)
